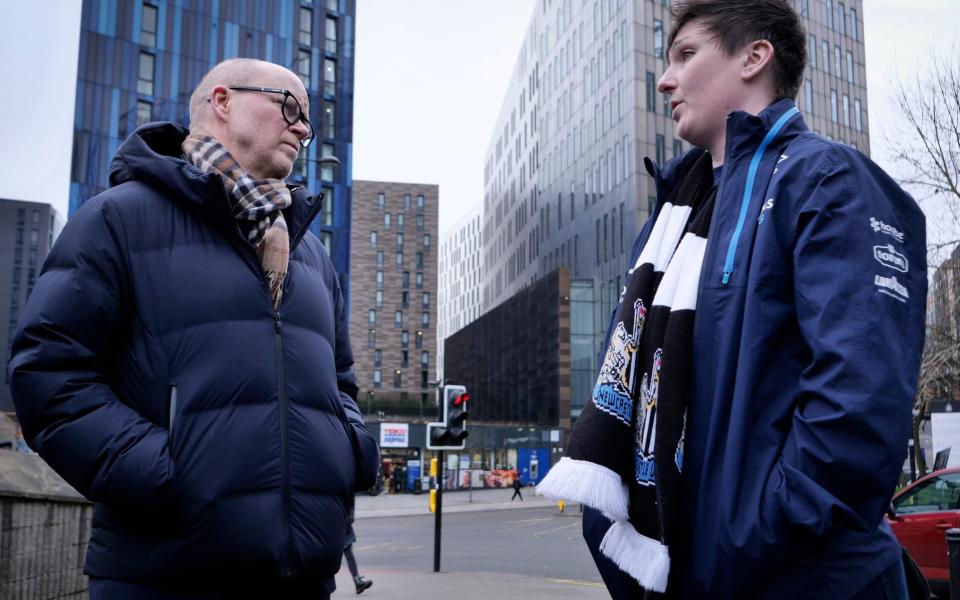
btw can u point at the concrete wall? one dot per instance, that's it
(44, 530)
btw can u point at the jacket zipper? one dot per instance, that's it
(287, 570)
(748, 189)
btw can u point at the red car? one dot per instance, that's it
(920, 515)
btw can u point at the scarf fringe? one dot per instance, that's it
(644, 559)
(587, 483)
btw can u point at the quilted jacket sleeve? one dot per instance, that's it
(60, 370)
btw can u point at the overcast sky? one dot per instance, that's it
(430, 79)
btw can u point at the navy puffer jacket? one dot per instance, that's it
(150, 370)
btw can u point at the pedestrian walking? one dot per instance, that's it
(359, 581)
(753, 405)
(516, 489)
(184, 359)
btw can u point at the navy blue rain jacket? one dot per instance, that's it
(807, 343)
(216, 437)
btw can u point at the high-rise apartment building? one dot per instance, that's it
(27, 231)
(458, 289)
(140, 60)
(393, 309)
(564, 182)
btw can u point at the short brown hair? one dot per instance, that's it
(734, 23)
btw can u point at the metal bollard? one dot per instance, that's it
(953, 552)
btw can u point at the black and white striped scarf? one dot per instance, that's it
(257, 206)
(626, 449)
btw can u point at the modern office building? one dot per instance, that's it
(140, 60)
(393, 313)
(27, 232)
(459, 278)
(564, 178)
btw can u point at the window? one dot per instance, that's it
(386, 220)
(677, 148)
(406, 202)
(328, 124)
(419, 281)
(420, 203)
(400, 220)
(425, 319)
(837, 62)
(850, 70)
(939, 494)
(846, 110)
(825, 45)
(404, 359)
(145, 76)
(379, 259)
(379, 298)
(406, 280)
(303, 67)
(808, 96)
(144, 112)
(842, 13)
(331, 32)
(424, 359)
(404, 339)
(854, 28)
(857, 114)
(399, 241)
(380, 200)
(661, 149)
(405, 299)
(306, 26)
(377, 378)
(326, 211)
(423, 379)
(379, 280)
(419, 343)
(399, 259)
(373, 317)
(426, 299)
(333, 5)
(426, 241)
(148, 25)
(326, 170)
(658, 38)
(833, 105)
(812, 50)
(398, 318)
(397, 379)
(373, 239)
(829, 14)
(371, 338)
(651, 92)
(329, 77)
(420, 222)
(419, 260)
(377, 358)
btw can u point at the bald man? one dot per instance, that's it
(183, 360)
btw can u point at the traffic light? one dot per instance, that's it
(452, 431)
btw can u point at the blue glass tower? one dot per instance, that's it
(140, 60)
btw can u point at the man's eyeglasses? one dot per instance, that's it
(292, 113)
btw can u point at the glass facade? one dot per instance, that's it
(139, 62)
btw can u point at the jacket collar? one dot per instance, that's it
(746, 131)
(152, 155)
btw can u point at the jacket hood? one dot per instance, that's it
(152, 155)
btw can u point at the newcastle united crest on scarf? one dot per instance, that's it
(626, 450)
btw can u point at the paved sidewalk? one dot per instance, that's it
(410, 585)
(396, 505)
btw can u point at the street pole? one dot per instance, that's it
(436, 521)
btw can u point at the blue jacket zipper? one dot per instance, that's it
(748, 189)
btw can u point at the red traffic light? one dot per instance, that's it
(461, 399)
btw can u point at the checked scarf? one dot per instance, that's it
(626, 450)
(257, 206)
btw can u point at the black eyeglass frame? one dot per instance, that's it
(287, 94)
